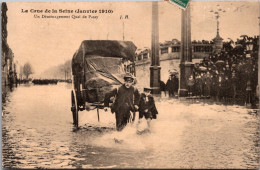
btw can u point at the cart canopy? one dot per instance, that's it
(106, 48)
(103, 66)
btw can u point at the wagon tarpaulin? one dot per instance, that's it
(106, 48)
(104, 65)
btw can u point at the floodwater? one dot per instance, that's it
(37, 132)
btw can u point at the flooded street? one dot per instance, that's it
(38, 132)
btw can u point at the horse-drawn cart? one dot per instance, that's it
(98, 66)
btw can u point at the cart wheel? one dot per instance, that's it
(74, 109)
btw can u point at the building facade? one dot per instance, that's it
(171, 50)
(8, 66)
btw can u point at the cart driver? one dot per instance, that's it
(126, 101)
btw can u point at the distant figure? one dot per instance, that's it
(163, 87)
(172, 84)
(220, 89)
(198, 82)
(257, 91)
(11, 82)
(176, 83)
(208, 83)
(203, 83)
(234, 85)
(226, 88)
(126, 99)
(147, 106)
(214, 86)
(248, 93)
(191, 82)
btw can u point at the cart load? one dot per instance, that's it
(98, 66)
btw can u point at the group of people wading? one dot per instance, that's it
(128, 100)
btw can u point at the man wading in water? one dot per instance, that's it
(126, 100)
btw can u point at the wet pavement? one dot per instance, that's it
(37, 132)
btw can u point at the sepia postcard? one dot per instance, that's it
(145, 84)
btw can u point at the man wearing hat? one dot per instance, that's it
(126, 100)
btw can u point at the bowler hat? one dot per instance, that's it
(147, 89)
(128, 76)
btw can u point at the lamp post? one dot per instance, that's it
(249, 95)
(218, 41)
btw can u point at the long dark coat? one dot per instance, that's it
(125, 99)
(149, 105)
(170, 86)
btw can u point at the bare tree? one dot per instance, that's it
(66, 69)
(21, 73)
(27, 69)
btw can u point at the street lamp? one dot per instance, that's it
(218, 41)
(249, 49)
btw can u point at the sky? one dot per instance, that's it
(49, 42)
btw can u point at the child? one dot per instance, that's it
(147, 106)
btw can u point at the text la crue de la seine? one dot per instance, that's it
(68, 11)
